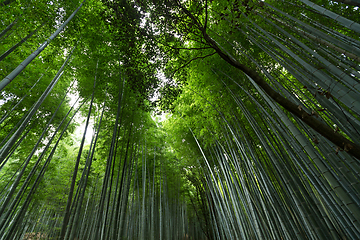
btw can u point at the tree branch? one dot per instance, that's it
(206, 14)
(311, 121)
(202, 57)
(199, 48)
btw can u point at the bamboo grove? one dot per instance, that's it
(260, 138)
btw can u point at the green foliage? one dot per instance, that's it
(240, 165)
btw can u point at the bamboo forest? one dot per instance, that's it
(179, 119)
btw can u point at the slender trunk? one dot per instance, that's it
(8, 28)
(317, 39)
(119, 228)
(341, 20)
(318, 126)
(8, 145)
(99, 217)
(32, 172)
(2, 119)
(5, 54)
(320, 34)
(26, 62)
(84, 177)
(19, 217)
(72, 187)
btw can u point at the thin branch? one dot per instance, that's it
(199, 48)
(320, 127)
(202, 57)
(195, 21)
(206, 15)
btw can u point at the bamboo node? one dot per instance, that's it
(338, 149)
(328, 95)
(313, 113)
(304, 114)
(315, 140)
(348, 147)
